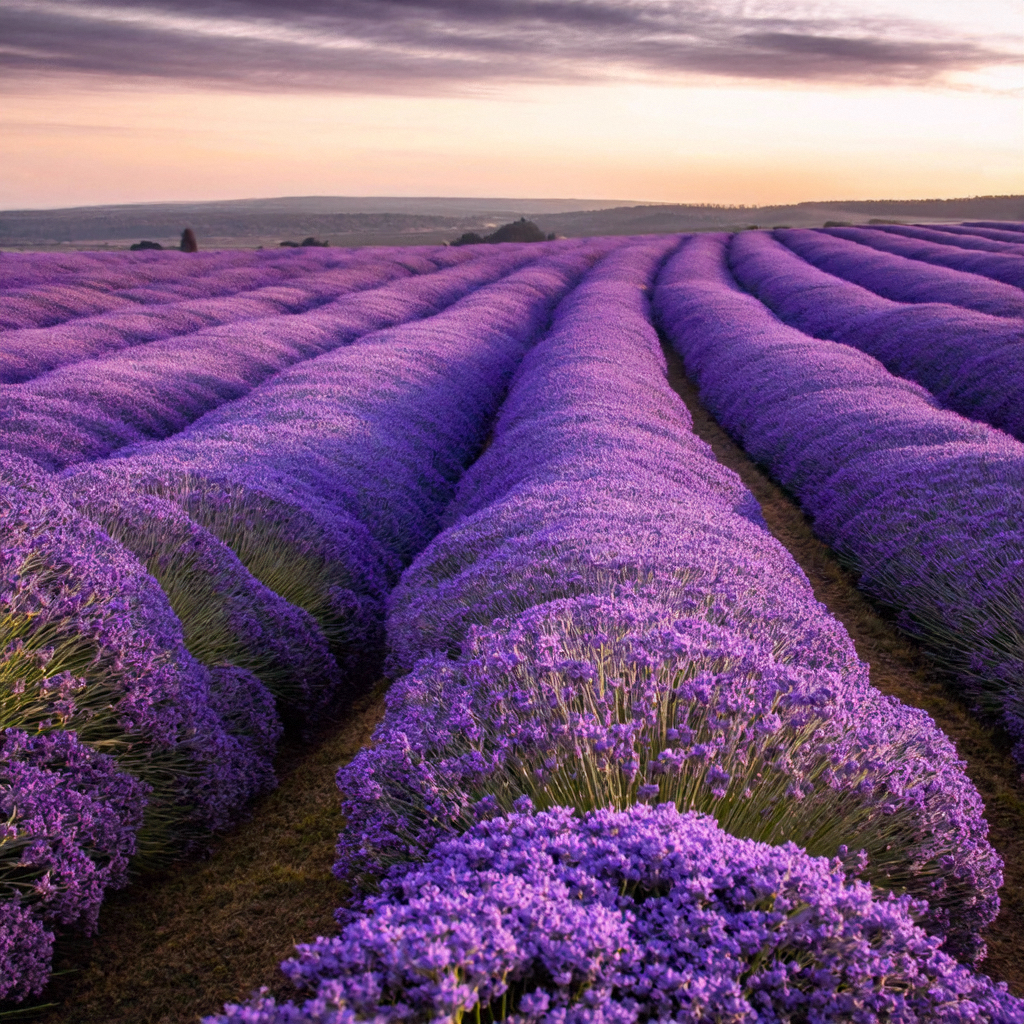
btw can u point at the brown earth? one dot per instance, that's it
(174, 947)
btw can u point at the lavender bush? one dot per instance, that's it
(227, 615)
(593, 702)
(900, 278)
(627, 916)
(68, 819)
(926, 505)
(921, 341)
(91, 645)
(999, 267)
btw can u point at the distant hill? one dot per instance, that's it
(351, 221)
(666, 218)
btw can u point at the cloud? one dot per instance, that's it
(411, 46)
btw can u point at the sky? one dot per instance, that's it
(748, 102)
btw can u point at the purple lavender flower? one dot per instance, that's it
(1007, 268)
(68, 818)
(590, 702)
(28, 352)
(626, 916)
(95, 407)
(1004, 242)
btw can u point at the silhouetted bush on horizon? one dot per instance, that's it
(521, 230)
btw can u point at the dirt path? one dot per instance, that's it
(176, 947)
(897, 668)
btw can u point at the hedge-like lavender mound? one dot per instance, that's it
(626, 916)
(590, 702)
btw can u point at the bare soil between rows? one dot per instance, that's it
(174, 947)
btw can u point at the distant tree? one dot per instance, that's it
(144, 244)
(290, 245)
(188, 241)
(521, 230)
(314, 241)
(839, 224)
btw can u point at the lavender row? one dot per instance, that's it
(1002, 225)
(960, 240)
(640, 661)
(1003, 233)
(927, 505)
(46, 303)
(114, 740)
(91, 409)
(596, 502)
(122, 271)
(973, 363)
(51, 303)
(902, 279)
(113, 270)
(1008, 269)
(28, 352)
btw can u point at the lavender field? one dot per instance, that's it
(630, 768)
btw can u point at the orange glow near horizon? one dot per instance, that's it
(693, 139)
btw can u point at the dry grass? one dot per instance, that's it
(897, 668)
(175, 947)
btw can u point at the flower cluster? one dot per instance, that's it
(617, 917)
(924, 503)
(920, 341)
(68, 819)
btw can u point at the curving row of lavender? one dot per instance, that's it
(972, 362)
(94, 407)
(34, 296)
(1002, 234)
(27, 352)
(166, 611)
(900, 278)
(995, 225)
(961, 238)
(927, 505)
(607, 625)
(1007, 268)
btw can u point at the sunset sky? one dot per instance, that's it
(763, 101)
